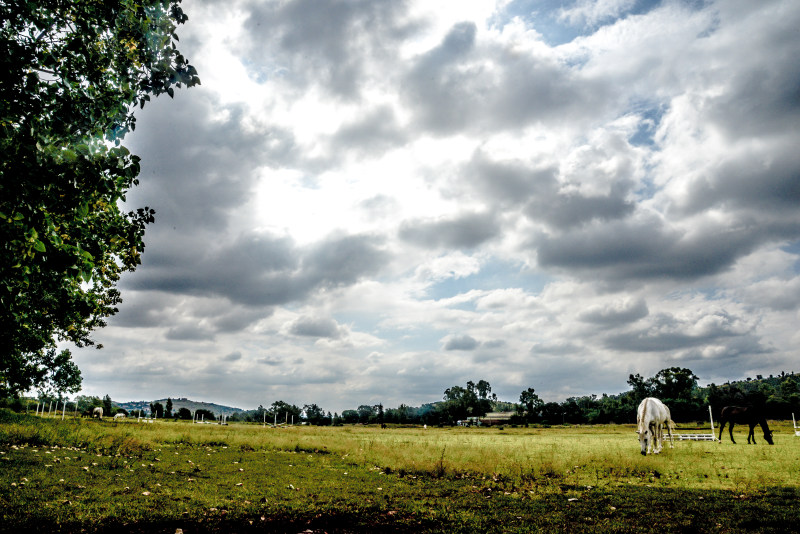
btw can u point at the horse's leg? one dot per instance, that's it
(752, 434)
(721, 428)
(658, 438)
(730, 431)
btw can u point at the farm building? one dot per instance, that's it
(496, 418)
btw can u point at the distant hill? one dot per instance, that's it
(178, 403)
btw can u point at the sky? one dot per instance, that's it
(370, 201)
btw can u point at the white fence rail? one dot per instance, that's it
(699, 437)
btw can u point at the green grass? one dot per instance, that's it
(89, 476)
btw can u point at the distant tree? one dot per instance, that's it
(365, 413)
(552, 413)
(88, 403)
(789, 387)
(184, 413)
(380, 414)
(108, 406)
(157, 410)
(402, 413)
(532, 404)
(168, 409)
(315, 415)
(350, 416)
(641, 388)
(676, 383)
(284, 412)
(472, 401)
(204, 415)
(72, 74)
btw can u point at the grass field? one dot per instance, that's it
(91, 476)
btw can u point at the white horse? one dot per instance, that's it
(119, 416)
(97, 412)
(652, 417)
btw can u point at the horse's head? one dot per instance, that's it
(768, 437)
(644, 439)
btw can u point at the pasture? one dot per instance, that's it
(104, 476)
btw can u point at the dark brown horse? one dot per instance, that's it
(744, 415)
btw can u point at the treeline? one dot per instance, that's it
(778, 396)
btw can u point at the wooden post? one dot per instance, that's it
(711, 418)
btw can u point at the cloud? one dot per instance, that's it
(592, 12)
(233, 357)
(539, 194)
(261, 270)
(316, 327)
(330, 45)
(463, 342)
(620, 312)
(465, 231)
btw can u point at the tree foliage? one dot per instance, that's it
(73, 72)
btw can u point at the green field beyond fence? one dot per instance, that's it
(90, 475)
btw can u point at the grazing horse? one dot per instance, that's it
(652, 417)
(744, 415)
(97, 412)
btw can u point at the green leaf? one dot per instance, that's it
(39, 246)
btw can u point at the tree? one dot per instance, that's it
(168, 409)
(284, 412)
(532, 403)
(108, 406)
(315, 415)
(156, 409)
(73, 72)
(204, 415)
(641, 388)
(365, 413)
(472, 401)
(184, 413)
(350, 416)
(675, 383)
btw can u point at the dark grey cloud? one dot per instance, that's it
(762, 97)
(465, 231)
(325, 43)
(555, 348)
(464, 342)
(764, 180)
(189, 332)
(319, 327)
(615, 315)
(646, 249)
(259, 270)
(374, 133)
(667, 333)
(207, 171)
(538, 192)
(233, 357)
(141, 309)
(459, 85)
(343, 260)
